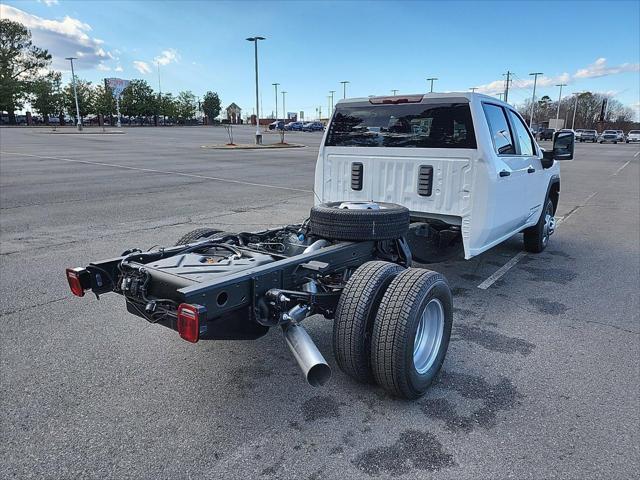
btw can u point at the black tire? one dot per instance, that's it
(615, 143)
(536, 238)
(395, 327)
(196, 234)
(354, 317)
(389, 222)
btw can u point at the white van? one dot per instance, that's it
(464, 164)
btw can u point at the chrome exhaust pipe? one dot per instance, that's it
(313, 365)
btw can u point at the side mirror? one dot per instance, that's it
(563, 145)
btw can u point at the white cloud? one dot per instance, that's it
(142, 67)
(168, 56)
(49, 3)
(103, 68)
(118, 68)
(61, 38)
(597, 69)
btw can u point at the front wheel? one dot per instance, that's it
(536, 238)
(411, 332)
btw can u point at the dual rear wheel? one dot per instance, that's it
(392, 327)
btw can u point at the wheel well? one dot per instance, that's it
(554, 195)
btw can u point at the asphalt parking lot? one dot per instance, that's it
(541, 379)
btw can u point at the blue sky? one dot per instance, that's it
(377, 46)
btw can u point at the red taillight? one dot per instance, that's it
(189, 321)
(75, 281)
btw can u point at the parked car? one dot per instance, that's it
(589, 136)
(313, 127)
(547, 134)
(578, 132)
(620, 135)
(294, 126)
(633, 136)
(277, 125)
(351, 261)
(608, 136)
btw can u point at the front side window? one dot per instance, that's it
(499, 127)
(522, 135)
(412, 125)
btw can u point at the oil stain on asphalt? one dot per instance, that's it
(317, 408)
(413, 450)
(495, 398)
(548, 307)
(493, 341)
(561, 276)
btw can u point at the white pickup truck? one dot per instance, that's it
(464, 164)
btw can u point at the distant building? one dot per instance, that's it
(234, 113)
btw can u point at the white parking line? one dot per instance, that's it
(166, 172)
(637, 153)
(520, 255)
(620, 169)
(501, 271)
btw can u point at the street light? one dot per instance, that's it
(431, 80)
(75, 92)
(533, 97)
(394, 91)
(473, 89)
(559, 98)
(255, 44)
(331, 92)
(344, 88)
(276, 85)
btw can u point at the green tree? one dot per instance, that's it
(138, 100)
(46, 95)
(20, 61)
(85, 98)
(186, 105)
(211, 105)
(168, 106)
(103, 101)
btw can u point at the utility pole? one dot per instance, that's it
(559, 98)
(331, 92)
(276, 86)
(329, 105)
(473, 89)
(255, 44)
(394, 92)
(533, 97)
(160, 109)
(506, 89)
(344, 88)
(431, 80)
(500, 95)
(284, 111)
(575, 109)
(75, 92)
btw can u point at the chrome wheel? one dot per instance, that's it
(426, 343)
(549, 224)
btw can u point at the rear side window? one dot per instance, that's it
(411, 125)
(499, 127)
(522, 135)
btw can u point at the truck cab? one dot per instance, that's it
(464, 164)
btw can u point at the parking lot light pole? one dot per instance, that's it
(276, 86)
(331, 110)
(255, 44)
(559, 99)
(344, 88)
(75, 93)
(533, 97)
(431, 80)
(394, 91)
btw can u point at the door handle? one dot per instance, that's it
(504, 173)
(531, 170)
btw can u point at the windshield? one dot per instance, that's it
(411, 125)
(610, 132)
(634, 132)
